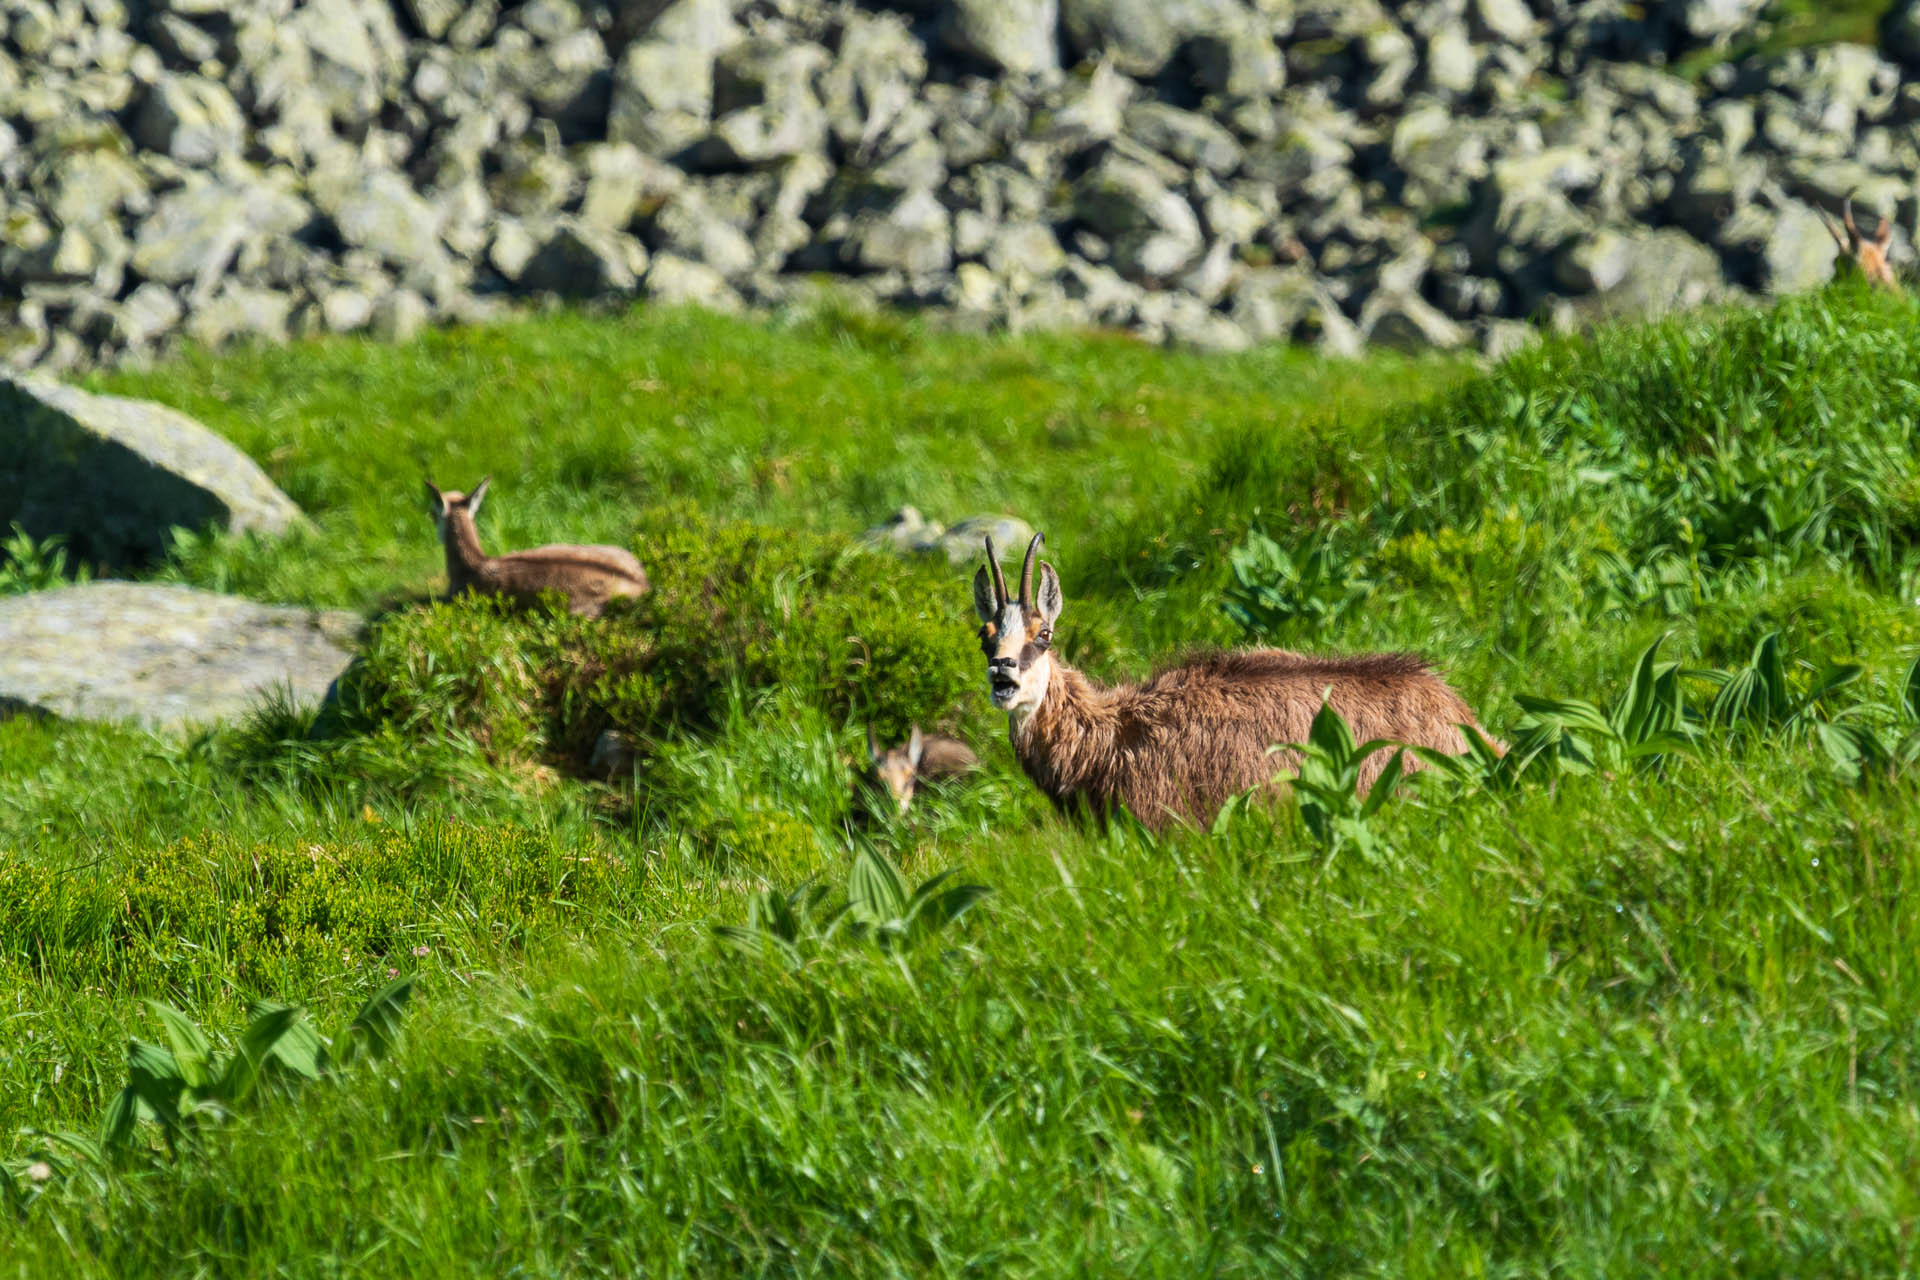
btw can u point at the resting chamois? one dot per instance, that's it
(1180, 744)
(1870, 255)
(587, 576)
(922, 757)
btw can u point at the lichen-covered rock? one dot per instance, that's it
(764, 104)
(386, 216)
(190, 118)
(1185, 136)
(115, 477)
(1153, 229)
(162, 656)
(194, 232)
(1798, 254)
(914, 236)
(675, 280)
(1018, 36)
(580, 260)
(910, 532)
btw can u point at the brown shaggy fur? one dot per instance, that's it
(1178, 745)
(588, 576)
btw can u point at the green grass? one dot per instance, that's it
(1655, 1017)
(1795, 24)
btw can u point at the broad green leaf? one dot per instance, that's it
(299, 1049)
(1571, 713)
(376, 1028)
(190, 1048)
(1383, 786)
(936, 911)
(263, 1033)
(874, 889)
(1329, 732)
(1637, 707)
(122, 1113)
(1836, 676)
(152, 1062)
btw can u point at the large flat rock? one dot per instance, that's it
(115, 476)
(163, 656)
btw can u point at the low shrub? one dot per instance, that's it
(734, 606)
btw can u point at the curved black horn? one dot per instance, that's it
(999, 581)
(1026, 573)
(1846, 214)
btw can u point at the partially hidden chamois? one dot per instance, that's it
(922, 757)
(1177, 746)
(1868, 253)
(588, 576)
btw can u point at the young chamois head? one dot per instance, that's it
(1017, 634)
(1870, 255)
(444, 503)
(898, 768)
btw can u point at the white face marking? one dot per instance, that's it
(896, 773)
(1017, 690)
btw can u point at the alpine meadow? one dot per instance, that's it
(415, 982)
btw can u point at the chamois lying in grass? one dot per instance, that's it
(899, 770)
(1180, 744)
(588, 576)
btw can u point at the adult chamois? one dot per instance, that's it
(1180, 744)
(1869, 254)
(587, 576)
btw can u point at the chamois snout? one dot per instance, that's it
(898, 768)
(1017, 633)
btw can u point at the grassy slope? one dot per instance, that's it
(1654, 1020)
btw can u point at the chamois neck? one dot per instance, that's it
(1074, 706)
(462, 541)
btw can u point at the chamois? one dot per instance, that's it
(1180, 744)
(1870, 255)
(923, 756)
(588, 576)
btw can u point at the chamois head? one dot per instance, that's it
(1016, 634)
(1870, 255)
(443, 503)
(898, 768)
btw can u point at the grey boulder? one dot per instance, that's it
(907, 530)
(162, 656)
(115, 476)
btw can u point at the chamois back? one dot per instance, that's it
(588, 576)
(1180, 743)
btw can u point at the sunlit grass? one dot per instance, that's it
(1657, 1017)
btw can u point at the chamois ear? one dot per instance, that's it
(436, 500)
(916, 747)
(983, 602)
(1046, 596)
(478, 496)
(1883, 234)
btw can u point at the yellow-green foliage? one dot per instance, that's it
(734, 604)
(270, 916)
(1459, 561)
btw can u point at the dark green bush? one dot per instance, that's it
(734, 606)
(1738, 434)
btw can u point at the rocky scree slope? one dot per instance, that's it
(1211, 172)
